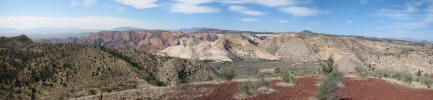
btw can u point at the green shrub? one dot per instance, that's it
(93, 91)
(328, 86)
(246, 88)
(277, 70)
(209, 78)
(363, 73)
(284, 74)
(426, 81)
(328, 66)
(288, 78)
(330, 80)
(406, 77)
(261, 82)
(385, 74)
(418, 73)
(227, 74)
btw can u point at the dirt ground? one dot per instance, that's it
(304, 90)
(353, 89)
(377, 89)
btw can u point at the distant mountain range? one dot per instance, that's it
(42, 33)
(46, 33)
(413, 40)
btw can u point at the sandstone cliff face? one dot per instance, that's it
(226, 48)
(147, 40)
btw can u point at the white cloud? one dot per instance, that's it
(274, 3)
(236, 1)
(91, 22)
(244, 10)
(302, 11)
(83, 2)
(349, 21)
(198, 6)
(314, 23)
(396, 14)
(283, 21)
(193, 6)
(269, 3)
(363, 1)
(249, 19)
(139, 4)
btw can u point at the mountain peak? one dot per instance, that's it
(15, 41)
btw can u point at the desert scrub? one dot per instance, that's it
(261, 82)
(284, 74)
(406, 77)
(227, 74)
(251, 87)
(277, 70)
(330, 80)
(246, 88)
(328, 66)
(426, 81)
(361, 72)
(210, 78)
(328, 86)
(288, 78)
(418, 73)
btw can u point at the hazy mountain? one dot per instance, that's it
(44, 33)
(414, 40)
(189, 30)
(127, 29)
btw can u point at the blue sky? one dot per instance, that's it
(374, 18)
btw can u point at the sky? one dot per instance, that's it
(372, 18)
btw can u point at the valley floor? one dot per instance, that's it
(353, 89)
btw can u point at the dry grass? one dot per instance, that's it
(259, 91)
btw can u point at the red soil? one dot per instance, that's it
(380, 90)
(304, 90)
(223, 91)
(371, 89)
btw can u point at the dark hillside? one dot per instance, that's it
(59, 71)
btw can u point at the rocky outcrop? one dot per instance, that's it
(226, 48)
